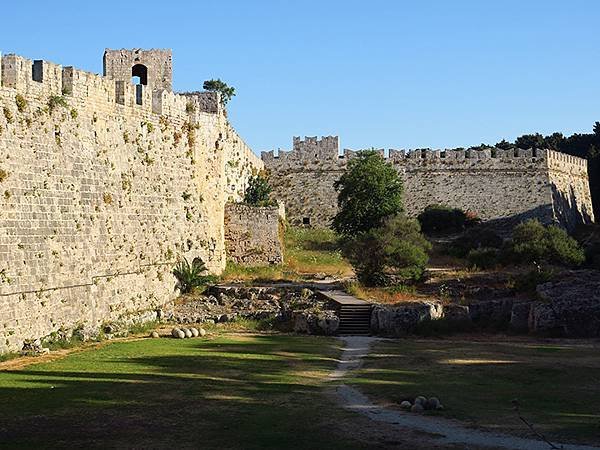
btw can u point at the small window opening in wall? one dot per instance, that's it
(306, 221)
(139, 74)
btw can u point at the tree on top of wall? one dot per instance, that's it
(369, 192)
(258, 192)
(226, 91)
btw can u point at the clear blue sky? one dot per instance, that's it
(393, 74)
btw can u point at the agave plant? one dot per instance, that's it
(191, 276)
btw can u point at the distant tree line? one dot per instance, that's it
(583, 145)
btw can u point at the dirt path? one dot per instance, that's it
(439, 431)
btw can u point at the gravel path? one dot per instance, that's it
(445, 431)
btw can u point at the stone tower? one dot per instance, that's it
(153, 67)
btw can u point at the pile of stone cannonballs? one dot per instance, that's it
(421, 404)
(182, 333)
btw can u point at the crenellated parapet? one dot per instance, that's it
(31, 77)
(311, 153)
(307, 151)
(42, 80)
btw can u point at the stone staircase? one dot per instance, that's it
(354, 314)
(355, 319)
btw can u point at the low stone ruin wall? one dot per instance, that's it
(253, 235)
(569, 306)
(295, 308)
(416, 317)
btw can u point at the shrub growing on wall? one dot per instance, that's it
(397, 249)
(258, 192)
(369, 192)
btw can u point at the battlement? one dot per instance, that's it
(309, 148)
(34, 77)
(309, 144)
(559, 157)
(43, 79)
(312, 150)
(491, 153)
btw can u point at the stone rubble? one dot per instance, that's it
(299, 307)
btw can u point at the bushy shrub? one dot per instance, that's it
(396, 249)
(562, 248)
(527, 282)
(588, 236)
(532, 242)
(484, 257)
(192, 276)
(529, 241)
(475, 238)
(258, 192)
(369, 192)
(440, 219)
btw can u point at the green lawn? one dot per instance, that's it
(233, 391)
(308, 251)
(557, 384)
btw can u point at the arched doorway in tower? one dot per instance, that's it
(139, 74)
(139, 77)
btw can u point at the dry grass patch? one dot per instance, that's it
(555, 381)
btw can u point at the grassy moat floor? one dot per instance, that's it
(226, 391)
(556, 382)
(238, 388)
(249, 390)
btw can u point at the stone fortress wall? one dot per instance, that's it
(495, 184)
(103, 185)
(254, 235)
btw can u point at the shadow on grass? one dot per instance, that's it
(477, 381)
(246, 393)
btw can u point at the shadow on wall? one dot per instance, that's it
(505, 225)
(566, 211)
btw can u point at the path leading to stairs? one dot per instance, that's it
(440, 431)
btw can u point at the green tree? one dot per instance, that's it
(504, 145)
(395, 249)
(530, 141)
(226, 91)
(368, 192)
(258, 191)
(554, 141)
